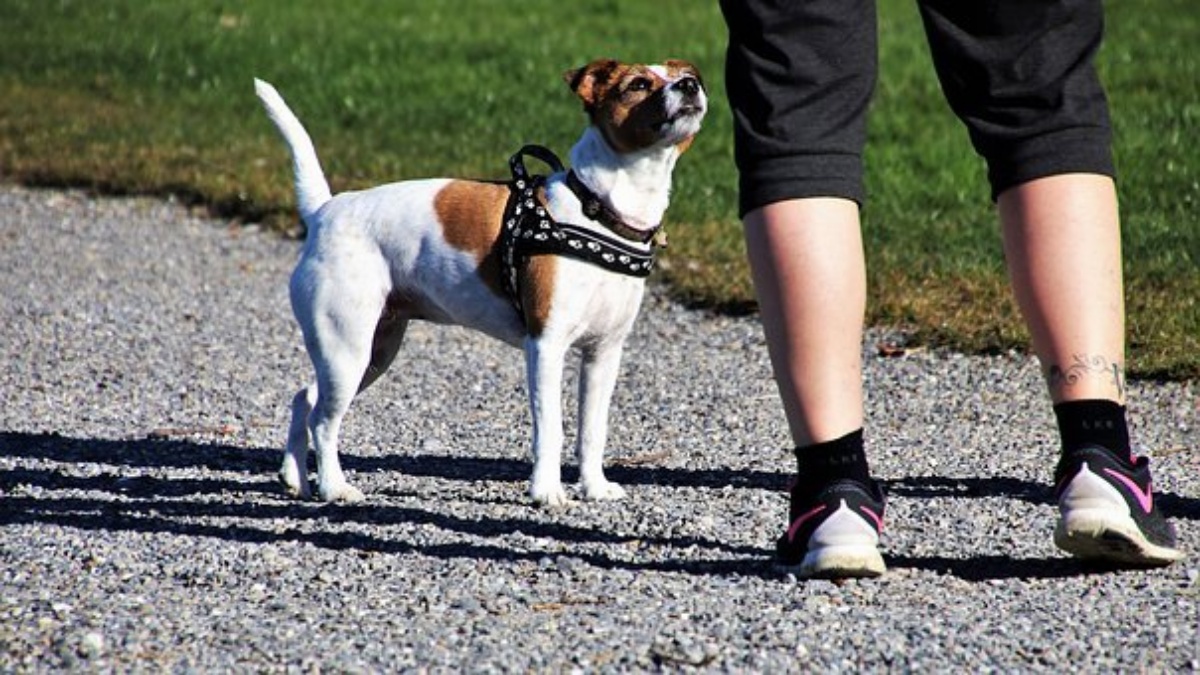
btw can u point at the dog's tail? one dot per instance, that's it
(312, 189)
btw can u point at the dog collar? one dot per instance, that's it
(528, 229)
(598, 211)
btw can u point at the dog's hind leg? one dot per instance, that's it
(294, 472)
(389, 333)
(339, 325)
(338, 376)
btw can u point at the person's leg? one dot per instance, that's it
(1062, 242)
(799, 78)
(1021, 77)
(1063, 246)
(806, 259)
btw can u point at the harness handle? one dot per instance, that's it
(538, 152)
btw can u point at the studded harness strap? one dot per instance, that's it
(529, 230)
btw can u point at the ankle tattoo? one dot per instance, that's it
(1084, 366)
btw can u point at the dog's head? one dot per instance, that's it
(638, 106)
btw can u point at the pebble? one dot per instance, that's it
(148, 357)
(91, 645)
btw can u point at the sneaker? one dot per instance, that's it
(1107, 511)
(835, 533)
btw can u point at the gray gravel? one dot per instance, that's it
(147, 356)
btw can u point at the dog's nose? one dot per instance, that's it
(688, 86)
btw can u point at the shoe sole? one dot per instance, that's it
(839, 562)
(1099, 535)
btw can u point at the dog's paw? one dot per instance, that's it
(294, 484)
(302, 491)
(603, 490)
(552, 496)
(344, 493)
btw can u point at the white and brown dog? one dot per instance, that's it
(432, 249)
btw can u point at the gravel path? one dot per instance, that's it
(147, 356)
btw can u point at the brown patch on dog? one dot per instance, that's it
(537, 291)
(471, 213)
(586, 80)
(678, 67)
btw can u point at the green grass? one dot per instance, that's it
(155, 97)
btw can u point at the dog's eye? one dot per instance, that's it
(640, 84)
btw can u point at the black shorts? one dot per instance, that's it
(1018, 73)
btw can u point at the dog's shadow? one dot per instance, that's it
(128, 500)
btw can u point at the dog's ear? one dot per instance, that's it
(587, 82)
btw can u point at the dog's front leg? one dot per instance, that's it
(597, 380)
(544, 362)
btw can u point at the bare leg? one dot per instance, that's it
(806, 258)
(1063, 245)
(1062, 239)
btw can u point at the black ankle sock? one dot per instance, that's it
(1093, 422)
(839, 459)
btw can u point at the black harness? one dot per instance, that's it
(529, 230)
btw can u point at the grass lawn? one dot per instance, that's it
(150, 96)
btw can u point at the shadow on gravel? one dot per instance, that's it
(929, 487)
(994, 567)
(138, 453)
(120, 500)
(490, 468)
(254, 510)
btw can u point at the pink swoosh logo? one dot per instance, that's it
(799, 522)
(1145, 498)
(874, 516)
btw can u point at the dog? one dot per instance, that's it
(435, 250)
